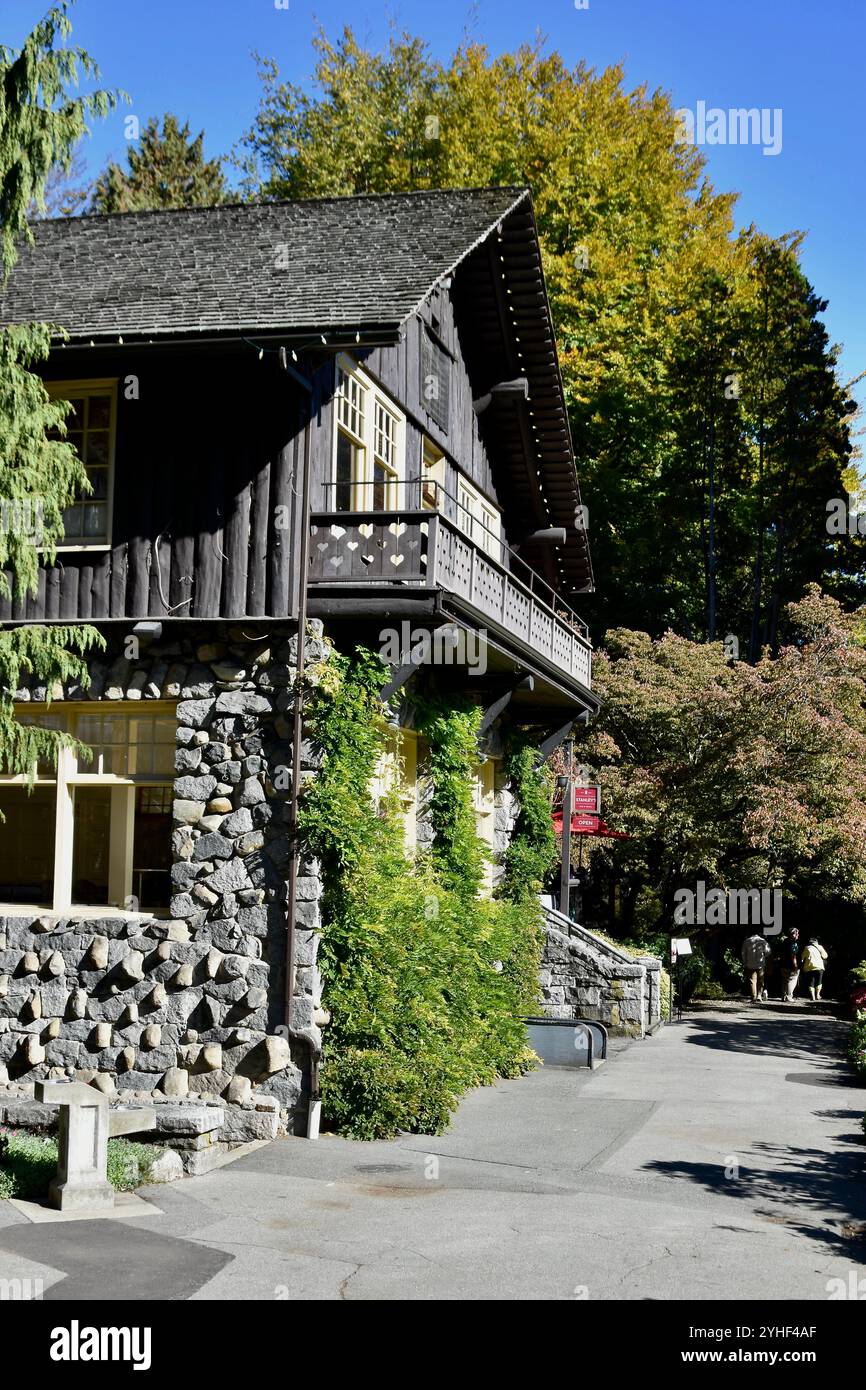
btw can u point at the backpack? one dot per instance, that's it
(755, 953)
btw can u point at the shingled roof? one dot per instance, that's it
(361, 263)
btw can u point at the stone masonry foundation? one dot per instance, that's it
(192, 1005)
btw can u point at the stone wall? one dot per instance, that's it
(193, 1005)
(584, 976)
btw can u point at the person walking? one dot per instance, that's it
(790, 964)
(754, 954)
(814, 959)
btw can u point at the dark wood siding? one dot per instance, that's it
(398, 370)
(206, 492)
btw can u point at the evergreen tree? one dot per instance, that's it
(168, 170)
(40, 473)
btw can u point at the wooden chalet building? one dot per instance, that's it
(342, 415)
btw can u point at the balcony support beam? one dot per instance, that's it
(554, 741)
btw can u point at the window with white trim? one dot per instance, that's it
(90, 427)
(93, 833)
(432, 477)
(397, 774)
(369, 444)
(479, 519)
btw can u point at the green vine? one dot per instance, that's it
(532, 850)
(451, 732)
(427, 982)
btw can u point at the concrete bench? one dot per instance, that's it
(86, 1125)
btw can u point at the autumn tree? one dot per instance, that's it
(740, 775)
(690, 481)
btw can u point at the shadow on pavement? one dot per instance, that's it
(795, 1182)
(802, 1037)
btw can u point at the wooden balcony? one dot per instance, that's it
(423, 550)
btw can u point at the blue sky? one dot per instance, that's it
(193, 57)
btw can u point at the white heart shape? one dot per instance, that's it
(397, 559)
(338, 531)
(397, 528)
(365, 529)
(336, 561)
(352, 545)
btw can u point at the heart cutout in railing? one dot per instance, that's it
(352, 545)
(397, 528)
(336, 561)
(365, 529)
(338, 531)
(397, 559)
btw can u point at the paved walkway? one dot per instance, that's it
(721, 1159)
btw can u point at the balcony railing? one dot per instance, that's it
(423, 548)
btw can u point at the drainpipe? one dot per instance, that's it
(297, 736)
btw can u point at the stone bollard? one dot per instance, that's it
(86, 1124)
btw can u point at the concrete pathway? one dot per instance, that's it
(721, 1159)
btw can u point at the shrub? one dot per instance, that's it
(28, 1162)
(857, 1045)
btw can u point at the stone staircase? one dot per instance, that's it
(586, 976)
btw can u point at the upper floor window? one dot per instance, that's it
(479, 518)
(90, 427)
(433, 477)
(435, 378)
(369, 447)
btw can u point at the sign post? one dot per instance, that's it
(567, 813)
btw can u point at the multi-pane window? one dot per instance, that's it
(351, 396)
(396, 775)
(128, 746)
(368, 445)
(93, 831)
(479, 519)
(90, 427)
(385, 459)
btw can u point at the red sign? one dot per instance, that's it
(587, 799)
(589, 825)
(580, 824)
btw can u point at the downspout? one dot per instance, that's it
(297, 737)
